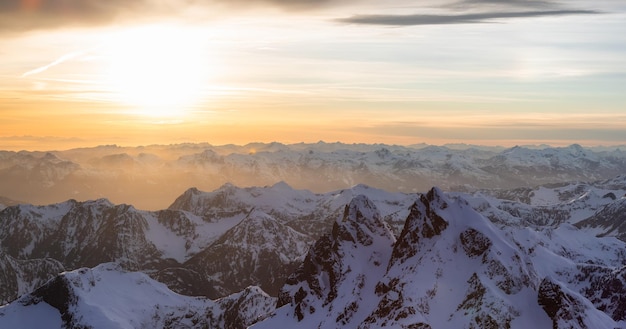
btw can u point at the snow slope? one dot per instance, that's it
(108, 297)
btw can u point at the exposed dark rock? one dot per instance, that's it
(560, 306)
(58, 294)
(474, 297)
(19, 277)
(185, 282)
(606, 290)
(474, 243)
(423, 222)
(324, 269)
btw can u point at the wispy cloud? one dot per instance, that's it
(64, 58)
(471, 18)
(545, 4)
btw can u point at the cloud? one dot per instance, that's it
(508, 3)
(521, 131)
(24, 15)
(287, 3)
(472, 18)
(58, 61)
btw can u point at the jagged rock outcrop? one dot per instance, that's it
(442, 236)
(242, 309)
(605, 288)
(332, 285)
(568, 310)
(450, 268)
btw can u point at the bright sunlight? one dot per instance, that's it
(160, 71)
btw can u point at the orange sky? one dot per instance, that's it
(222, 72)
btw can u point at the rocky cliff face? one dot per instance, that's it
(334, 284)
(18, 277)
(258, 251)
(83, 234)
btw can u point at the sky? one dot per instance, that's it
(78, 73)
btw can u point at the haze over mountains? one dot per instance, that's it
(151, 177)
(541, 255)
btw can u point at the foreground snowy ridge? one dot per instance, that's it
(109, 297)
(449, 268)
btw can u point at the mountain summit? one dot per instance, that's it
(449, 268)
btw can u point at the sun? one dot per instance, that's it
(159, 71)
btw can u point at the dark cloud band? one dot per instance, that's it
(406, 20)
(23, 15)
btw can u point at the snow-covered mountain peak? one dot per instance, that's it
(513, 149)
(422, 222)
(575, 148)
(50, 157)
(362, 223)
(192, 191)
(282, 186)
(101, 202)
(260, 230)
(187, 200)
(334, 268)
(227, 187)
(361, 210)
(279, 200)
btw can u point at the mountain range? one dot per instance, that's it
(359, 257)
(150, 177)
(523, 237)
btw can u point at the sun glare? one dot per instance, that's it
(158, 70)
